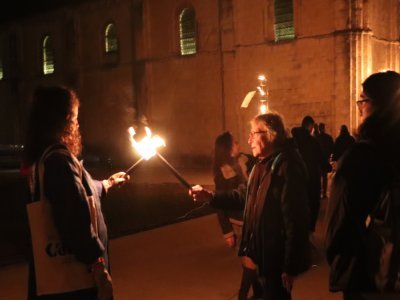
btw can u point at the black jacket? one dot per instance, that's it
(279, 240)
(342, 143)
(358, 182)
(67, 186)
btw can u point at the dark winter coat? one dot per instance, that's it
(66, 186)
(276, 236)
(356, 187)
(342, 143)
(326, 144)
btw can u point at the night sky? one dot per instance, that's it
(17, 9)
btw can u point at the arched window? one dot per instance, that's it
(110, 38)
(283, 25)
(187, 31)
(47, 55)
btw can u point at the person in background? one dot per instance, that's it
(276, 218)
(231, 169)
(312, 155)
(53, 143)
(315, 131)
(342, 143)
(326, 143)
(363, 172)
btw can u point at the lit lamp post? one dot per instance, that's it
(263, 95)
(263, 91)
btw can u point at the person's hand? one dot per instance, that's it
(115, 179)
(287, 282)
(334, 166)
(231, 241)
(103, 282)
(248, 263)
(198, 193)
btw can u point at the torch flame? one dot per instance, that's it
(147, 147)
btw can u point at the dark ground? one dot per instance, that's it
(128, 209)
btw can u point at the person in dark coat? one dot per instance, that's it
(231, 169)
(343, 141)
(362, 173)
(312, 155)
(56, 176)
(326, 143)
(276, 218)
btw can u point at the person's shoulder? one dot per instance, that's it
(57, 150)
(359, 156)
(58, 156)
(361, 149)
(289, 152)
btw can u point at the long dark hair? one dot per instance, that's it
(50, 121)
(383, 126)
(222, 151)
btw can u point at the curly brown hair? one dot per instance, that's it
(51, 121)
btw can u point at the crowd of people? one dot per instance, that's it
(267, 202)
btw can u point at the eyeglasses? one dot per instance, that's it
(253, 133)
(361, 101)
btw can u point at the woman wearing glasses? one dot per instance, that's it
(362, 173)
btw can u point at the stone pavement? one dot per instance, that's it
(187, 260)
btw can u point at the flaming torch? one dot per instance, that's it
(147, 147)
(175, 172)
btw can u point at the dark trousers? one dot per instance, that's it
(273, 288)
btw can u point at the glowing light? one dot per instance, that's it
(263, 108)
(261, 91)
(261, 78)
(148, 146)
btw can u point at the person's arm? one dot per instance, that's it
(234, 199)
(243, 160)
(224, 223)
(114, 180)
(65, 192)
(226, 227)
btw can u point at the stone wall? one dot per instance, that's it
(189, 100)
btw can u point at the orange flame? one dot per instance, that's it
(147, 147)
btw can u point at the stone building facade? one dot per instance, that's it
(190, 99)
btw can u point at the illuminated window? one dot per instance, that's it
(284, 25)
(187, 31)
(48, 56)
(110, 39)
